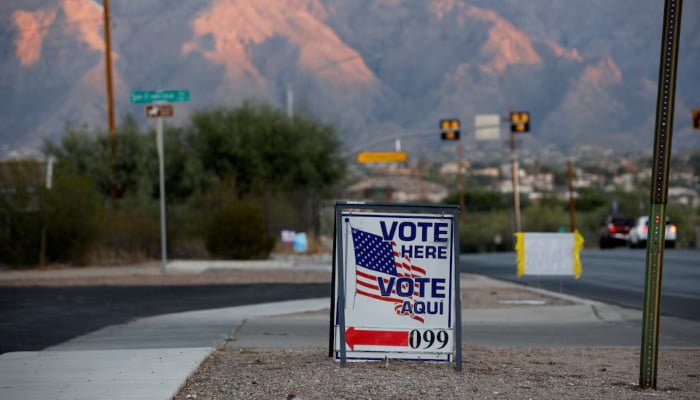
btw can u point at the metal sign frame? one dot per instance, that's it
(370, 212)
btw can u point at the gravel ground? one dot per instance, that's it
(488, 373)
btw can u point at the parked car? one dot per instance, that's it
(615, 230)
(638, 234)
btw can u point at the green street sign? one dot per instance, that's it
(167, 96)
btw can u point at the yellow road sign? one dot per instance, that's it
(382, 157)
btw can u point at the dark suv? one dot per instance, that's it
(615, 230)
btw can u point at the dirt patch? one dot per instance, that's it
(487, 373)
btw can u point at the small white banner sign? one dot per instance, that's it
(549, 253)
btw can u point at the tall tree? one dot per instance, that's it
(264, 151)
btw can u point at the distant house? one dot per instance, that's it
(684, 196)
(450, 168)
(396, 188)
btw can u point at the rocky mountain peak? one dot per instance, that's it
(32, 28)
(506, 46)
(602, 73)
(363, 65)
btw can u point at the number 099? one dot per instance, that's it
(428, 339)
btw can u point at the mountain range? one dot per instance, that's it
(586, 71)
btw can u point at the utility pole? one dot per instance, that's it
(110, 95)
(572, 206)
(460, 181)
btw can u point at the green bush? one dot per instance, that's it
(68, 213)
(486, 232)
(48, 225)
(129, 233)
(238, 231)
(479, 200)
(20, 237)
(541, 218)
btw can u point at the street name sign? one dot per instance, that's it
(396, 287)
(159, 111)
(382, 157)
(166, 96)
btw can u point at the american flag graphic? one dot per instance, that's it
(377, 258)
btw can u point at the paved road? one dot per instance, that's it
(611, 276)
(33, 318)
(150, 358)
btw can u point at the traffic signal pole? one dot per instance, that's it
(519, 123)
(460, 181)
(450, 130)
(516, 191)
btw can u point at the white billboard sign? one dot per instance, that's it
(487, 127)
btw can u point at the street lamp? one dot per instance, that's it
(290, 89)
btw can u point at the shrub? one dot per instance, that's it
(20, 237)
(48, 225)
(486, 232)
(128, 234)
(238, 231)
(68, 214)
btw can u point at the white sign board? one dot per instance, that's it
(487, 127)
(398, 274)
(549, 253)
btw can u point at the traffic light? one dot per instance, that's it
(696, 119)
(449, 129)
(519, 121)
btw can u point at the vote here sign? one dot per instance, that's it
(399, 293)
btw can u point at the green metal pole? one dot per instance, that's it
(659, 193)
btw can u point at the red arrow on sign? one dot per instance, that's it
(355, 337)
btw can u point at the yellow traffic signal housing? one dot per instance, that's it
(519, 121)
(449, 129)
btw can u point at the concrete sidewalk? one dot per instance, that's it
(150, 358)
